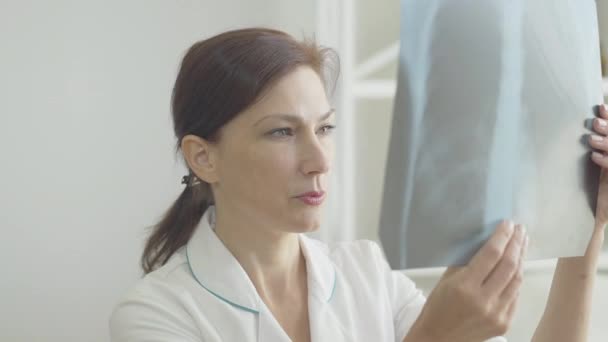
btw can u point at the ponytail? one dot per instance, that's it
(176, 227)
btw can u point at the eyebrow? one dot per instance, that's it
(294, 118)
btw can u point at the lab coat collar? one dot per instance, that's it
(219, 272)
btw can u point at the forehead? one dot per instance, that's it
(300, 92)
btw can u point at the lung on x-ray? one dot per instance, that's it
(493, 104)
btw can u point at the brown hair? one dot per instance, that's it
(220, 77)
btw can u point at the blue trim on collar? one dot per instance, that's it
(334, 288)
(215, 294)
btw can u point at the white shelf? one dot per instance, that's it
(386, 89)
(376, 89)
(534, 266)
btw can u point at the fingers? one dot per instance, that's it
(511, 291)
(508, 266)
(603, 110)
(510, 296)
(484, 261)
(598, 141)
(600, 159)
(451, 270)
(600, 124)
(511, 308)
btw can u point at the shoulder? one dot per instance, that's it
(156, 304)
(166, 280)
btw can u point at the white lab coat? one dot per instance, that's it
(203, 294)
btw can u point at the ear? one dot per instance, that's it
(201, 157)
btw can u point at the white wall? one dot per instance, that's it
(86, 147)
(377, 27)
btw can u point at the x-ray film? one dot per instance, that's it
(493, 102)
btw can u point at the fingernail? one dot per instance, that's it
(602, 123)
(597, 155)
(596, 138)
(605, 107)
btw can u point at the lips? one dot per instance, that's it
(312, 197)
(312, 194)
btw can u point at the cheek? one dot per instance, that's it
(273, 164)
(260, 170)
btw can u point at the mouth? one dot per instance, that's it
(312, 198)
(319, 193)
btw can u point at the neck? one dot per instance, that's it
(273, 260)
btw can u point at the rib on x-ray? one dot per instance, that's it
(493, 104)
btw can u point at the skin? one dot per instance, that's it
(263, 161)
(257, 168)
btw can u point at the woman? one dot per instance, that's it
(229, 263)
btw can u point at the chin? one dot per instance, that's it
(312, 228)
(304, 219)
(306, 225)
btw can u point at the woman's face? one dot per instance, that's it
(275, 151)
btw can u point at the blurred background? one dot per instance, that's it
(87, 146)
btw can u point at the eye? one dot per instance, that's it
(327, 129)
(281, 132)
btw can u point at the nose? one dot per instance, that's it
(315, 155)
